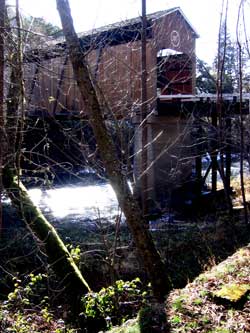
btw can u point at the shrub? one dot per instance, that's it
(115, 304)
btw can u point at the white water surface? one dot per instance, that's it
(85, 202)
(79, 202)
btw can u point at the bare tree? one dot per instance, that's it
(242, 140)
(58, 255)
(2, 30)
(89, 93)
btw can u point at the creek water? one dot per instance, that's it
(77, 202)
(80, 202)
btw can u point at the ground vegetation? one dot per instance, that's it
(102, 273)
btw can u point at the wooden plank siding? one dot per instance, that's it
(117, 69)
(162, 30)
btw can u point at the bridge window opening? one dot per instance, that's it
(174, 73)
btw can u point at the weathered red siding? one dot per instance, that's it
(117, 70)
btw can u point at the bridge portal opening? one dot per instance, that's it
(174, 73)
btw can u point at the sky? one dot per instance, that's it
(204, 15)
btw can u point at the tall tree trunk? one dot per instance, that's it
(242, 143)
(58, 255)
(2, 31)
(144, 112)
(142, 237)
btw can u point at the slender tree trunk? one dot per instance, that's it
(228, 151)
(219, 103)
(144, 112)
(2, 30)
(20, 126)
(242, 143)
(142, 237)
(214, 146)
(58, 255)
(15, 95)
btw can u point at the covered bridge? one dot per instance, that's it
(114, 57)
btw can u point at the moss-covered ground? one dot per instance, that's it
(106, 253)
(217, 301)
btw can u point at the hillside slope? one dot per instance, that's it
(217, 301)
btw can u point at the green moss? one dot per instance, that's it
(205, 320)
(192, 324)
(178, 303)
(176, 320)
(197, 301)
(204, 293)
(220, 330)
(233, 292)
(230, 268)
(202, 278)
(58, 255)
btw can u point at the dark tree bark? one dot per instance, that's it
(242, 142)
(144, 112)
(2, 30)
(13, 101)
(58, 255)
(142, 237)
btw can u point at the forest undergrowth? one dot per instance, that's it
(33, 300)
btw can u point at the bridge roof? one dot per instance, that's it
(113, 34)
(137, 20)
